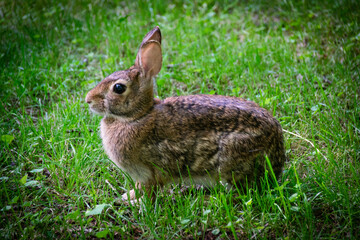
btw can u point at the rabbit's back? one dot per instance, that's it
(213, 112)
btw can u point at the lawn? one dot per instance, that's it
(298, 59)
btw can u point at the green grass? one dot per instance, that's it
(300, 60)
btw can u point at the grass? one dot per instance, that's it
(299, 60)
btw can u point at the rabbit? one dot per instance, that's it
(200, 139)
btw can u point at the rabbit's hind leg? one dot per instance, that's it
(238, 158)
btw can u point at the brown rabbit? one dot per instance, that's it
(199, 137)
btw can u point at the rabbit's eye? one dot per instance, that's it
(119, 88)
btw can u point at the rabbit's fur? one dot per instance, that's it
(205, 137)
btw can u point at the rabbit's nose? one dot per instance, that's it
(88, 99)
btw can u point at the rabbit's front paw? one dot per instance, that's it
(128, 196)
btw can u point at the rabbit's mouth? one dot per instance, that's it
(97, 112)
(97, 109)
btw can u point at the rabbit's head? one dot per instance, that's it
(129, 94)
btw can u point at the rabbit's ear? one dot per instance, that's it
(149, 57)
(154, 34)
